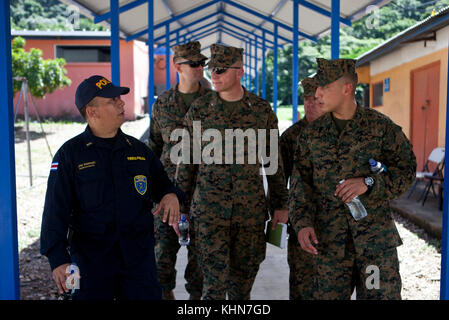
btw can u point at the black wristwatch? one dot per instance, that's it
(369, 181)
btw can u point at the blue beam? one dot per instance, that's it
(167, 57)
(9, 257)
(256, 79)
(193, 31)
(444, 283)
(275, 69)
(248, 57)
(177, 42)
(295, 62)
(122, 9)
(256, 26)
(335, 29)
(187, 26)
(230, 32)
(264, 67)
(248, 34)
(250, 84)
(267, 18)
(322, 11)
(150, 56)
(221, 21)
(115, 43)
(173, 19)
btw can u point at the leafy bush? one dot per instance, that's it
(43, 76)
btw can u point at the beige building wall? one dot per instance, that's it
(398, 65)
(397, 101)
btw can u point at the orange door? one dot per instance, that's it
(425, 95)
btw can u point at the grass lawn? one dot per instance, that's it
(285, 112)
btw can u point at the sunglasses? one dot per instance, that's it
(194, 64)
(223, 70)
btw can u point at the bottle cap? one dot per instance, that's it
(372, 162)
(183, 217)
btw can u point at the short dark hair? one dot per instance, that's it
(91, 103)
(353, 79)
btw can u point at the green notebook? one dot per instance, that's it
(278, 236)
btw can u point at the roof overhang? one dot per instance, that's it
(238, 21)
(423, 30)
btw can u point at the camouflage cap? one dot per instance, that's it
(188, 51)
(224, 56)
(332, 70)
(309, 84)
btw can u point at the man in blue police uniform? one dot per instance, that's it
(102, 187)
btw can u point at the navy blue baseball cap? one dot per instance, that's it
(96, 86)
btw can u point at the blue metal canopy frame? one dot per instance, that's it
(9, 261)
(9, 272)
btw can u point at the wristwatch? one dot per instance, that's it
(369, 181)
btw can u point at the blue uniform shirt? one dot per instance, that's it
(105, 192)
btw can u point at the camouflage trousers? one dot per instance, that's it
(301, 269)
(166, 249)
(376, 277)
(229, 258)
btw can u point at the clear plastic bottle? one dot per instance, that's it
(356, 208)
(376, 166)
(184, 238)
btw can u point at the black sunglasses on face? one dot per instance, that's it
(194, 64)
(223, 70)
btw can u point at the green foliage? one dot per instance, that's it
(47, 15)
(43, 76)
(361, 37)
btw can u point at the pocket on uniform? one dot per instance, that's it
(91, 185)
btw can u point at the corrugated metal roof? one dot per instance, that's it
(230, 21)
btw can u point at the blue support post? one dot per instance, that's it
(264, 67)
(295, 62)
(275, 69)
(177, 42)
(167, 56)
(250, 57)
(246, 65)
(9, 257)
(444, 283)
(115, 43)
(335, 29)
(150, 56)
(256, 79)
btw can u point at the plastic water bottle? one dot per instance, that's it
(377, 167)
(356, 208)
(184, 238)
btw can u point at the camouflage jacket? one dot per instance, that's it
(219, 193)
(167, 115)
(288, 143)
(323, 158)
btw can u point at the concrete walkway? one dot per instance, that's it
(271, 281)
(427, 216)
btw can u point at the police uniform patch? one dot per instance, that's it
(140, 182)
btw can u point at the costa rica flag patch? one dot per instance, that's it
(54, 166)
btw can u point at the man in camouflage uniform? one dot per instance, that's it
(338, 146)
(227, 200)
(168, 114)
(299, 261)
